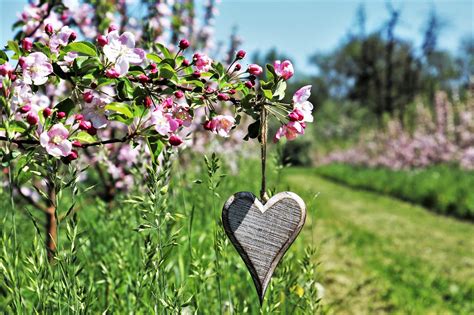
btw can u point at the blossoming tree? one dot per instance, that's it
(152, 94)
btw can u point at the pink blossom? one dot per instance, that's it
(60, 39)
(300, 102)
(160, 122)
(283, 69)
(202, 62)
(121, 50)
(36, 68)
(221, 125)
(290, 131)
(55, 140)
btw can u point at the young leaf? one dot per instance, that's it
(121, 108)
(84, 48)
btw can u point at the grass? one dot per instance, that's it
(444, 189)
(382, 255)
(375, 254)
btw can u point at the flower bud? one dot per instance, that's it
(92, 131)
(77, 144)
(72, 156)
(49, 29)
(112, 73)
(148, 102)
(47, 112)
(112, 28)
(93, 85)
(175, 140)
(143, 78)
(196, 74)
(26, 44)
(232, 91)
(153, 68)
(237, 67)
(61, 115)
(223, 97)
(183, 44)
(85, 125)
(240, 54)
(255, 69)
(72, 37)
(207, 125)
(88, 97)
(185, 63)
(102, 40)
(249, 84)
(32, 119)
(21, 61)
(25, 109)
(79, 117)
(179, 94)
(296, 115)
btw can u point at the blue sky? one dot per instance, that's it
(301, 27)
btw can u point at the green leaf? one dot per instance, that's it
(3, 57)
(121, 108)
(59, 72)
(154, 57)
(280, 89)
(125, 89)
(271, 75)
(84, 48)
(66, 105)
(13, 46)
(164, 50)
(84, 137)
(155, 145)
(167, 72)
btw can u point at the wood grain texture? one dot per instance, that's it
(263, 233)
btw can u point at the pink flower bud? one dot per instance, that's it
(179, 94)
(249, 84)
(148, 102)
(102, 40)
(237, 67)
(22, 61)
(88, 97)
(85, 125)
(255, 69)
(47, 112)
(72, 156)
(61, 115)
(207, 125)
(72, 37)
(153, 68)
(79, 117)
(185, 63)
(223, 97)
(175, 140)
(92, 131)
(32, 119)
(296, 115)
(25, 109)
(112, 28)
(12, 76)
(4, 70)
(183, 44)
(210, 90)
(196, 74)
(232, 92)
(112, 73)
(48, 29)
(240, 54)
(27, 44)
(77, 144)
(143, 78)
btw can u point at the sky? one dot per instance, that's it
(300, 28)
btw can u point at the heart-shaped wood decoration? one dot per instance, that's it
(263, 233)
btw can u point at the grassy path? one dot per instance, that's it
(381, 255)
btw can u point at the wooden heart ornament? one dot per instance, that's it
(263, 233)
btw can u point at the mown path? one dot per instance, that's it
(382, 255)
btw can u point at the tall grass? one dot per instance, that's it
(163, 252)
